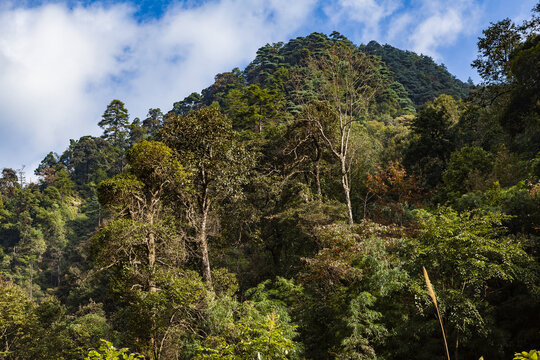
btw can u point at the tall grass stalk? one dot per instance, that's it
(431, 293)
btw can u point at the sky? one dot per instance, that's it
(63, 61)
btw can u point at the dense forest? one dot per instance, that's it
(329, 201)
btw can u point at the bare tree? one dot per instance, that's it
(342, 85)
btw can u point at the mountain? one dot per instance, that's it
(423, 79)
(416, 78)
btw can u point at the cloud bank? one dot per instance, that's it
(61, 64)
(422, 26)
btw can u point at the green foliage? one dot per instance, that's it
(254, 339)
(253, 108)
(532, 355)
(90, 160)
(209, 148)
(345, 285)
(16, 318)
(467, 248)
(433, 132)
(216, 93)
(108, 352)
(469, 259)
(499, 40)
(115, 123)
(219, 165)
(144, 247)
(152, 123)
(468, 170)
(191, 102)
(420, 76)
(257, 328)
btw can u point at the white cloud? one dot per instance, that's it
(60, 67)
(400, 24)
(437, 30)
(423, 26)
(49, 57)
(368, 13)
(440, 24)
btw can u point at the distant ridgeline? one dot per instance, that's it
(423, 79)
(416, 79)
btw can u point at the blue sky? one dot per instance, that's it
(63, 61)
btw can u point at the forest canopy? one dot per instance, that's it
(292, 210)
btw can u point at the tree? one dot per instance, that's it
(115, 123)
(521, 116)
(50, 160)
(9, 182)
(507, 61)
(108, 352)
(305, 151)
(433, 139)
(137, 199)
(153, 122)
(22, 239)
(16, 319)
(90, 160)
(258, 327)
(468, 170)
(394, 190)
(470, 262)
(143, 243)
(206, 142)
(191, 102)
(344, 284)
(216, 92)
(251, 108)
(136, 131)
(348, 81)
(496, 47)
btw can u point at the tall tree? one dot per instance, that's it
(89, 159)
(433, 138)
(348, 81)
(209, 147)
(9, 182)
(138, 197)
(142, 242)
(496, 47)
(153, 122)
(115, 123)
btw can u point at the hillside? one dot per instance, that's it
(423, 79)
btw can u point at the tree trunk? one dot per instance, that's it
(152, 261)
(58, 271)
(366, 198)
(152, 286)
(31, 280)
(318, 180)
(346, 190)
(204, 248)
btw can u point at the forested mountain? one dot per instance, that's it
(291, 210)
(423, 79)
